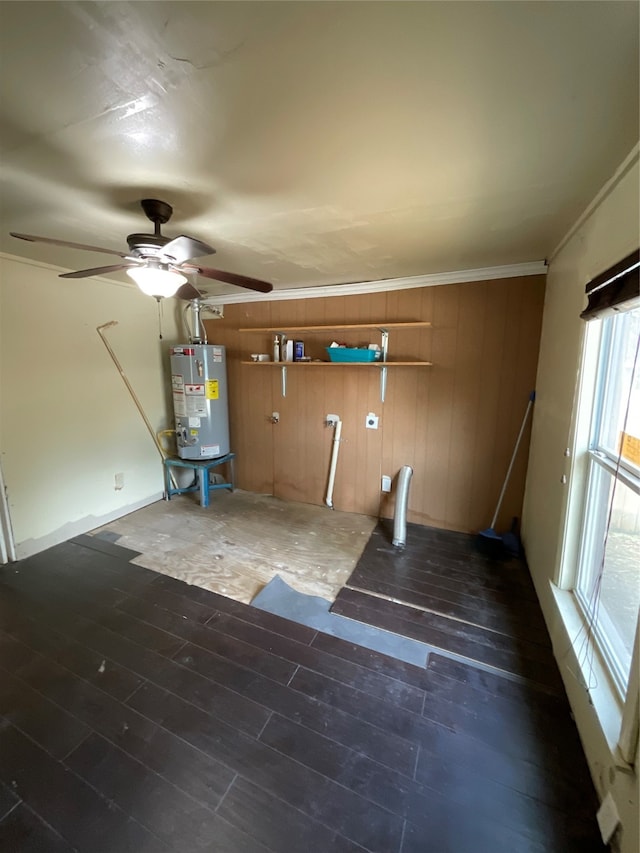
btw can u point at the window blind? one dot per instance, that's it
(616, 289)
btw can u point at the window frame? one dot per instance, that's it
(601, 462)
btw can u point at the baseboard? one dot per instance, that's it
(83, 525)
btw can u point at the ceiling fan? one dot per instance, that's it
(157, 263)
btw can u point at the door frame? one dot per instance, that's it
(7, 542)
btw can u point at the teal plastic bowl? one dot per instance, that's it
(352, 354)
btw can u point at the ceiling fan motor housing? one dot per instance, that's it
(146, 245)
(149, 245)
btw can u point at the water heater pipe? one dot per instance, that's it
(402, 498)
(197, 332)
(337, 432)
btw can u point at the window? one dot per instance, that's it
(608, 579)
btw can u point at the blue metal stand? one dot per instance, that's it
(201, 469)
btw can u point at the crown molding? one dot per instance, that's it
(43, 265)
(386, 284)
(629, 161)
(352, 289)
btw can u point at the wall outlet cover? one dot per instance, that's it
(371, 421)
(608, 818)
(386, 483)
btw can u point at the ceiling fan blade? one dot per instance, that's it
(188, 291)
(32, 239)
(184, 248)
(96, 271)
(232, 278)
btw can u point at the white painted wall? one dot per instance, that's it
(67, 422)
(608, 233)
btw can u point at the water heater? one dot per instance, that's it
(199, 382)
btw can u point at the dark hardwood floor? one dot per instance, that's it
(142, 714)
(442, 590)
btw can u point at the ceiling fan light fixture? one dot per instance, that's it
(157, 282)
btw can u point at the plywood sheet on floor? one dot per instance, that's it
(242, 540)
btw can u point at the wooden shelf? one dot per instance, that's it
(415, 324)
(340, 363)
(383, 328)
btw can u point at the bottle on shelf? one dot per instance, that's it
(276, 348)
(287, 353)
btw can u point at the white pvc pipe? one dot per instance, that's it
(334, 461)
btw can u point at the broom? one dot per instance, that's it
(489, 536)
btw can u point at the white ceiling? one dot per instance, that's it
(314, 143)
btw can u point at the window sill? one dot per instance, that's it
(603, 697)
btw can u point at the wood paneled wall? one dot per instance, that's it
(455, 423)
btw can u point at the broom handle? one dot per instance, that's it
(532, 397)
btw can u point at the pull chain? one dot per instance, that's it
(159, 301)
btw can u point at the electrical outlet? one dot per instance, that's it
(331, 420)
(386, 483)
(371, 421)
(118, 481)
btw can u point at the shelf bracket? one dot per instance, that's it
(284, 381)
(383, 370)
